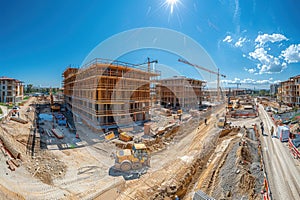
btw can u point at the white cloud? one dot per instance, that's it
(275, 37)
(251, 70)
(227, 39)
(291, 54)
(268, 64)
(240, 42)
(249, 81)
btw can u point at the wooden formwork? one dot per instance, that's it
(104, 93)
(182, 91)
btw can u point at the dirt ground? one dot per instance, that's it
(179, 166)
(234, 169)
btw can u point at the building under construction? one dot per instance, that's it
(289, 91)
(109, 94)
(180, 92)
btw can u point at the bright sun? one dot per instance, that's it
(171, 4)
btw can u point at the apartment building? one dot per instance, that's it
(289, 91)
(180, 92)
(11, 90)
(211, 94)
(108, 94)
(274, 88)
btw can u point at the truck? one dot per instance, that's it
(283, 133)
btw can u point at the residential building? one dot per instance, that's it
(289, 91)
(211, 94)
(108, 94)
(11, 90)
(274, 89)
(180, 92)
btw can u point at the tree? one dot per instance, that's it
(29, 88)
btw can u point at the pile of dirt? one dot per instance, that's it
(244, 155)
(46, 167)
(186, 172)
(176, 185)
(240, 175)
(247, 184)
(224, 132)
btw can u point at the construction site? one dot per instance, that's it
(109, 137)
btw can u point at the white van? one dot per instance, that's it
(283, 133)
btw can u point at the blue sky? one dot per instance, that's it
(252, 42)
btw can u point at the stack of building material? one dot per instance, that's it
(125, 137)
(147, 128)
(58, 133)
(19, 120)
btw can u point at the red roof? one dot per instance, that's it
(9, 79)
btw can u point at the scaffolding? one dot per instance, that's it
(180, 92)
(107, 94)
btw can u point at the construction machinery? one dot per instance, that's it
(221, 122)
(109, 135)
(125, 137)
(208, 70)
(132, 159)
(54, 106)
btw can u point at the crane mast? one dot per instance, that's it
(208, 70)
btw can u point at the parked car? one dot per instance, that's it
(16, 108)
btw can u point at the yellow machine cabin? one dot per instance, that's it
(221, 122)
(131, 159)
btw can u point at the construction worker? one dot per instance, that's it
(262, 129)
(272, 131)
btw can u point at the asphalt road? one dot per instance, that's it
(282, 169)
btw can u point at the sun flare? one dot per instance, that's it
(171, 4)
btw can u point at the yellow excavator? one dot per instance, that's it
(54, 106)
(132, 159)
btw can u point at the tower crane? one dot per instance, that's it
(208, 70)
(148, 63)
(237, 84)
(237, 87)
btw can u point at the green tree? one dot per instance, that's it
(29, 88)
